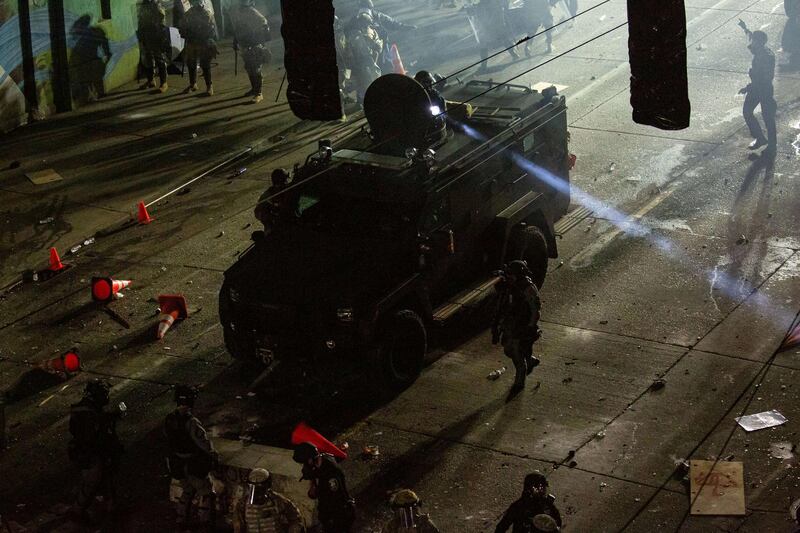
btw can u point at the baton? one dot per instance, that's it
(281, 87)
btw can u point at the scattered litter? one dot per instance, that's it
(194, 136)
(89, 241)
(185, 190)
(593, 78)
(573, 464)
(247, 225)
(74, 249)
(603, 485)
(167, 348)
(603, 322)
(600, 435)
(601, 18)
(657, 384)
(370, 452)
(764, 420)
(681, 468)
(633, 179)
(567, 380)
(781, 450)
(701, 46)
(42, 177)
(742, 240)
(238, 172)
(730, 457)
(611, 167)
(46, 400)
(495, 374)
(251, 394)
(717, 488)
(47, 220)
(238, 397)
(221, 233)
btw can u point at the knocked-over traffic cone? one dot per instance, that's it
(143, 216)
(173, 307)
(68, 362)
(55, 261)
(304, 433)
(397, 63)
(106, 289)
(792, 340)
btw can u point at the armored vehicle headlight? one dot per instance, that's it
(234, 295)
(435, 110)
(344, 314)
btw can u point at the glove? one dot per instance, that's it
(532, 333)
(744, 90)
(236, 47)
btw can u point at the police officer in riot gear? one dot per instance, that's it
(198, 28)
(524, 514)
(270, 208)
(328, 486)
(407, 517)
(251, 34)
(760, 91)
(266, 510)
(94, 448)
(191, 455)
(153, 43)
(366, 48)
(516, 320)
(538, 14)
(492, 31)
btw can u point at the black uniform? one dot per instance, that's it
(491, 28)
(95, 449)
(790, 39)
(517, 321)
(760, 92)
(519, 515)
(191, 458)
(336, 508)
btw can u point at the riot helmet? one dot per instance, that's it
(425, 78)
(794, 510)
(97, 392)
(185, 395)
(404, 503)
(259, 482)
(363, 20)
(279, 177)
(518, 269)
(366, 4)
(758, 39)
(305, 452)
(535, 484)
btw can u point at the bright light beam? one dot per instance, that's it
(733, 288)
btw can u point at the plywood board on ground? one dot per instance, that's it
(717, 489)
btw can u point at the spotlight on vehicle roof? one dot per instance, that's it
(435, 110)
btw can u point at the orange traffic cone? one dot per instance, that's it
(144, 216)
(173, 307)
(792, 340)
(55, 261)
(68, 362)
(304, 433)
(106, 289)
(397, 63)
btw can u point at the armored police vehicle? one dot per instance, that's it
(397, 229)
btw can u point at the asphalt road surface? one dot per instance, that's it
(678, 262)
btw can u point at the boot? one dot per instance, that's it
(257, 98)
(163, 87)
(210, 89)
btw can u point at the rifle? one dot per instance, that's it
(498, 312)
(281, 87)
(235, 60)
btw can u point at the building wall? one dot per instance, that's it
(88, 37)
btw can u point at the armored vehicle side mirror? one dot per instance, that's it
(443, 242)
(257, 236)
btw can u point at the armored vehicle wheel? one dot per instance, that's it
(528, 243)
(401, 350)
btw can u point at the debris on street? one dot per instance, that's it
(764, 420)
(717, 488)
(495, 374)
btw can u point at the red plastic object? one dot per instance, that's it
(55, 261)
(104, 289)
(304, 433)
(143, 216)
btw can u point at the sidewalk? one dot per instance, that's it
(131, 146)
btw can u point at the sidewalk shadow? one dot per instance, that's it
(88, 60)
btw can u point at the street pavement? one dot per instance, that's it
(681, 265)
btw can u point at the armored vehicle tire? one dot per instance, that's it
(528, 243)
(401, 350)
(232, 344)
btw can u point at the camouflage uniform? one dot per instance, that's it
(519, 315)
(198, 28)
(537, 14)
(277, 515)
(366, 50)
(153, 41)
(251, 33)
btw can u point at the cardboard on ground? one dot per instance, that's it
(44, 176)
(719, 491)
(542, 85)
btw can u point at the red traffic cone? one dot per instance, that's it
(303, 433)
(143, 216)
(106, 289)
(55, 261)
(173, 307)
(397, 63)
(792, 340)
(68, 362)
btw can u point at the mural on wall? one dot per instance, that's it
(101, 54)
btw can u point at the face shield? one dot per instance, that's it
(256, 493)
(407, 516)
